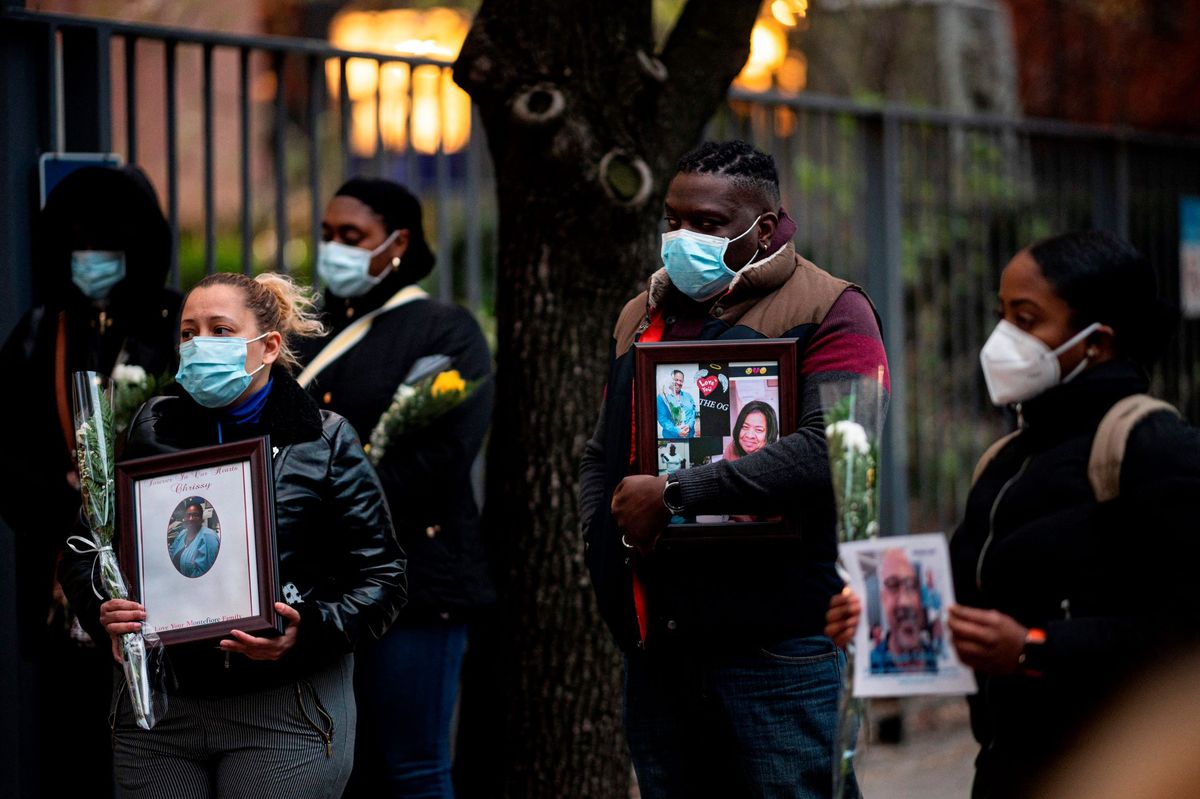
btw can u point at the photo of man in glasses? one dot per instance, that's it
(907, 643)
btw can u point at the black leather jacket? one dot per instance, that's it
(333, 533)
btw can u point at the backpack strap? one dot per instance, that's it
(991, 452)
(1108, 447)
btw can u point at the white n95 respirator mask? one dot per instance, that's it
(1018, 366)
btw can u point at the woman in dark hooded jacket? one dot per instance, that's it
(101, 252)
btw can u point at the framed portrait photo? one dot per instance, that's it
(198, 540)
(700, 402)
(903, 639)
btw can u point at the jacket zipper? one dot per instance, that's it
(992, 522)
(983, 552)
(987, 687)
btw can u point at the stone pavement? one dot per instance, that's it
(934, 759)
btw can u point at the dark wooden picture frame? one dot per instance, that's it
(710, 359)
(242, 469)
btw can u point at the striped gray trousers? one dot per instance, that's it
(294, 741)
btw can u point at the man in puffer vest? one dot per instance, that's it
(731, 688)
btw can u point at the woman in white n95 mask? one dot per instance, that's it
(1069, 588)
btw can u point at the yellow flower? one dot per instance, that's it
(446, 382)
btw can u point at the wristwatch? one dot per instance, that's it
(1032, 660)
(673, 495)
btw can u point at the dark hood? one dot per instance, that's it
(102, 208)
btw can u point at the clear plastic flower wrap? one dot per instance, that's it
(142, 654)
(854, 415)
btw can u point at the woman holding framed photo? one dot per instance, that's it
(260, 715)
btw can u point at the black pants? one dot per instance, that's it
(296, 740)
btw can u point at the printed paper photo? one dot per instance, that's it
(903, 639)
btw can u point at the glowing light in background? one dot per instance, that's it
(770, 65)
(395, 94)
(789, 12)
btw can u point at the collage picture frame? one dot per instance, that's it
(700, 402)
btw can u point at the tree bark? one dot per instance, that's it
(584, 124)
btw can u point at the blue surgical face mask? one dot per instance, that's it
(695, 262)
(213, 369)
(95, 272)
(346, 269)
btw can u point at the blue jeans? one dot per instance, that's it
(753, 723)
(406, 685)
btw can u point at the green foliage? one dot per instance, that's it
(677, 414)
(868, 97)
(129, 395)
(971, 199)
(854, 466)
(414, 407)
(227, 256)
(96, 464)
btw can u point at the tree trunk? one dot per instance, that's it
(584, 125)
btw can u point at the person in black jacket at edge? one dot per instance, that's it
(257, 716)
(1065, 600)
(381, 324)
(101, 251)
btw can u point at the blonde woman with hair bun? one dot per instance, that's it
(260, 716)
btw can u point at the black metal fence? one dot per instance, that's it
(925, 208)
(246, 138)
(204, 112)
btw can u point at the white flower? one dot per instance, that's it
(852, 435)
(129, 373)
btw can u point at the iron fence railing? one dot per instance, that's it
(922, 207)
(925, 208)
(174, 101)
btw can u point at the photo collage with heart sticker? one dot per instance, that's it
(707, 412)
